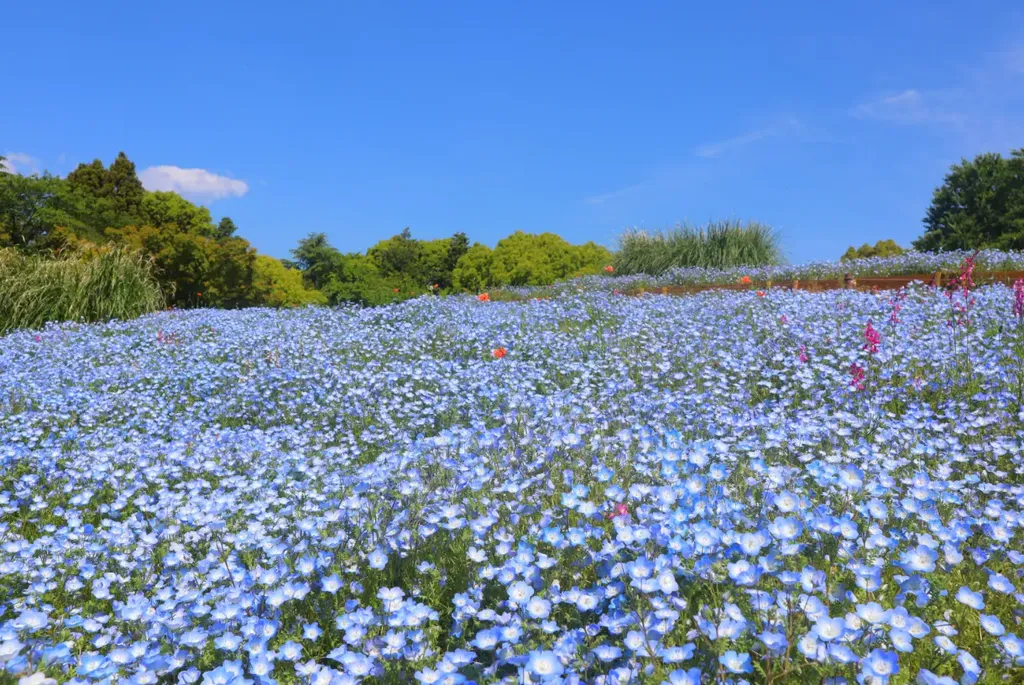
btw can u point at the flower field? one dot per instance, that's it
(724, 488)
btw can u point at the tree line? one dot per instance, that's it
(979, 205)
(205, 263)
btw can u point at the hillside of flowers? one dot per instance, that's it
(592, 488)
(909, 263)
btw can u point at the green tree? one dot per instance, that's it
(118, 185)
(275, 285)
(399, 256)
(541, 259)
(473, 270)
(882, 248)
(167, 209)
(319, 261)
(32, 207)
(980, 204)
(225, 228)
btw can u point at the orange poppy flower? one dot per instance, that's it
(499, 352)
(760, 293)
(745, 280)
(483, 297)
(609, 268)
(396, 290)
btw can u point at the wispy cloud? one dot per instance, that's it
(612, 195)
(198, 184)
(914, 107)
(681, 172)
(980, 107)
(20, 163)
(775, 131)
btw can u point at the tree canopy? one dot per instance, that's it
(203, 262)
(980, 204)
(882, 248)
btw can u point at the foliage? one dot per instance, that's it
(979, 205)
(473, 270)
(883, 248)
(275, 285)
(197, 261)
(109, 284)
(717, 245)
(541, 259)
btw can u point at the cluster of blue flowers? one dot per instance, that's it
(643, 489)
(909, 263)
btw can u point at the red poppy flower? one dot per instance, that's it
(499, 352)
(760, 293)
(745, 280)
(483, 297)
(609, 268)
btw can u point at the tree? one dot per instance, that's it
(319, 261)
(883, 248)
(980, 204)
(473, 270)
(119, 184)
(275, 285)
(541, 259)
(31, 207)
(225, 228)
(167, 209)
(399, 255)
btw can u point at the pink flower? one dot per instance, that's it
(873, 339)
(1018, 298)
(856, 377)
(803, 355)
(620, 510)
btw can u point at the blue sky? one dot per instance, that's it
(832, 122)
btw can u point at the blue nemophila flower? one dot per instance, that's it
(688, 677)
(544, 664)
(975, 600)
(880, 664)
(736, 663)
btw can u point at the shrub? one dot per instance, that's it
(276, 285)
(883, 248)
(75, 286)
(719, 245)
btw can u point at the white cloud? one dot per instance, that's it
(715, 149)
(914, 107)
(20, 163)
(194, 183)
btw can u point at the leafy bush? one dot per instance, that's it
(718, 245)
(276, 285)
(111, 284)
(883, 248)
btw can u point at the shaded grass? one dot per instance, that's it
(75, 286)
(718, 245)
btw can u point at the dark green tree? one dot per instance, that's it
(319, 261)
(399, 255)
(980, 204)
(225, 228)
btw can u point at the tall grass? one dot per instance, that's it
(75, 286)
(718, 245)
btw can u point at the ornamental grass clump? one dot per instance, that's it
(75, 286)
